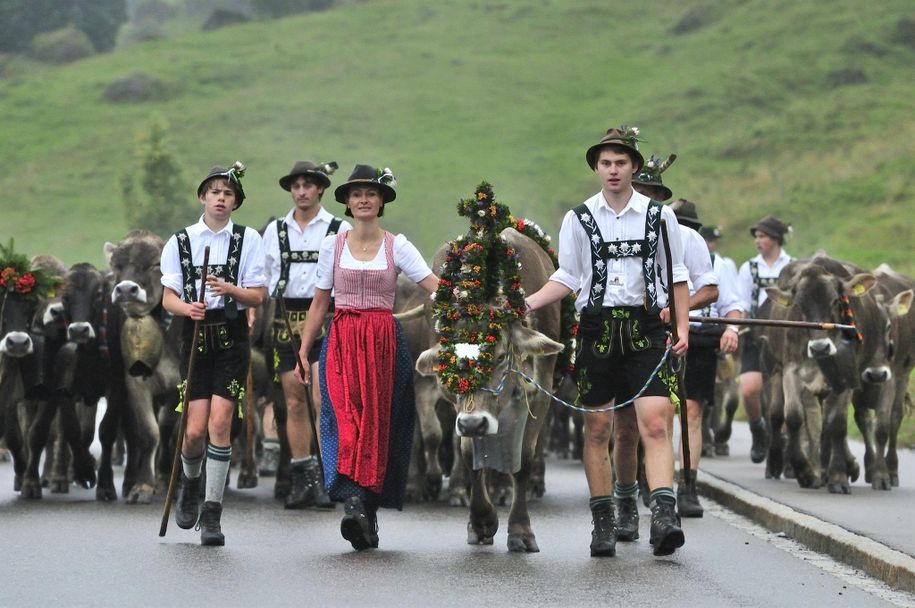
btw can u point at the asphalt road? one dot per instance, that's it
(68, 550)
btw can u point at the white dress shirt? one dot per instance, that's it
(745, 279)
(250, 265)
(407, 259)
(302, 276)
(625, 281)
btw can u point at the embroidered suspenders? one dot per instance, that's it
(758, 283)
(601, 251)
(227, 272)
(288, 257)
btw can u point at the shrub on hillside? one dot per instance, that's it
(143, 31)
(161, 203)
(282, 8)
(905, 32)
(695, 18)
(846, 76)
(62, 46)
(136, 87)
(223, 18)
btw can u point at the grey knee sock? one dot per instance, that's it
(218, 461)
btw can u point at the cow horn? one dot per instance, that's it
(409, 315)
(670, 160)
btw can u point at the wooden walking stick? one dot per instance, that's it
(681, 394)
(773, 323)
(182, 423)
(248, 458)
(309, 402)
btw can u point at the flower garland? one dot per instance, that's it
(478, 268)
(16, 275)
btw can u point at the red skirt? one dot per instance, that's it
(360, 382)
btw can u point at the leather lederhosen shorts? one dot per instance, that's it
(284, 359)
(618, 350)
(223, 353)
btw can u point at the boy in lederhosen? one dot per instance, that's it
(291, 247)
(235, 280)
(752, 279)
(610, 252)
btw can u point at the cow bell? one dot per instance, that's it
(141, 345)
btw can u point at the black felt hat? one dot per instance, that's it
(771, 226)
(363, 175)
(233, 175)
(648, 180)
(627, 137)
(686, 213)
(710, 233)
(320, 172)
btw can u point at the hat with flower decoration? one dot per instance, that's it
(320, 172)
(648, 180)
(367, 175)
(710, 233)
(627, 137)
(686, 213)
(233, 175)
(771, 226)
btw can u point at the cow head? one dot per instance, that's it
(890, 311)
(816, 294)
(134, 263)
(82, 301)
(479, 413)
(15, 324)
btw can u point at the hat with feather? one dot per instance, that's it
(648, 180)
(320, 172)
(232, 175)
(626, 137)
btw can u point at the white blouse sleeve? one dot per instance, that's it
(252, 260)
(409, 260)
(325, 275)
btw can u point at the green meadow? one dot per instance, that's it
(803, 109)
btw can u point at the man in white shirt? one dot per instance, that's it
(610, 253)
(754, 276)
(291, 247)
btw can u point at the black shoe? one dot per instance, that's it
(187, 502)
(355, 524)
(210, 530)
(373, 527)
(627, 519)
(322, 500)
(760, 440)
(603, 536)
(304, 491)
(666, 535)
(687, 499)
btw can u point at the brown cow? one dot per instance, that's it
(532, 349)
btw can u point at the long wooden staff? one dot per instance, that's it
(772, 323)
(309, 402)
(182, 423)
(681, 394)
(248, 460)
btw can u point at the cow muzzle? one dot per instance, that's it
(820, 348)
(126, 292)
(80, 332)
(877, 375)
(476, 424)
(16, 344)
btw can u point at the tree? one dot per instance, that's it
(20, 20)
(163, 202)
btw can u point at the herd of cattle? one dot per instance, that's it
(105, 334)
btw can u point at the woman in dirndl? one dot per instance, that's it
(366, 371)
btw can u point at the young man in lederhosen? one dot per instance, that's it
(610, 252)
(291, 247)
(235, 280)
(752, 279)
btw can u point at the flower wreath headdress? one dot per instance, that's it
(18, 276)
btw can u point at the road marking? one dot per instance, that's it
(849, 575)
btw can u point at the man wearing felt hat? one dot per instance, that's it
(291, 246)
(752, 279)
(611, 253)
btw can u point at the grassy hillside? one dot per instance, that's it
(778, 106)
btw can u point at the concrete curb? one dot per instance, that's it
(893, 567)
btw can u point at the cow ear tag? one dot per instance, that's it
(783, 300)
(858, 290)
